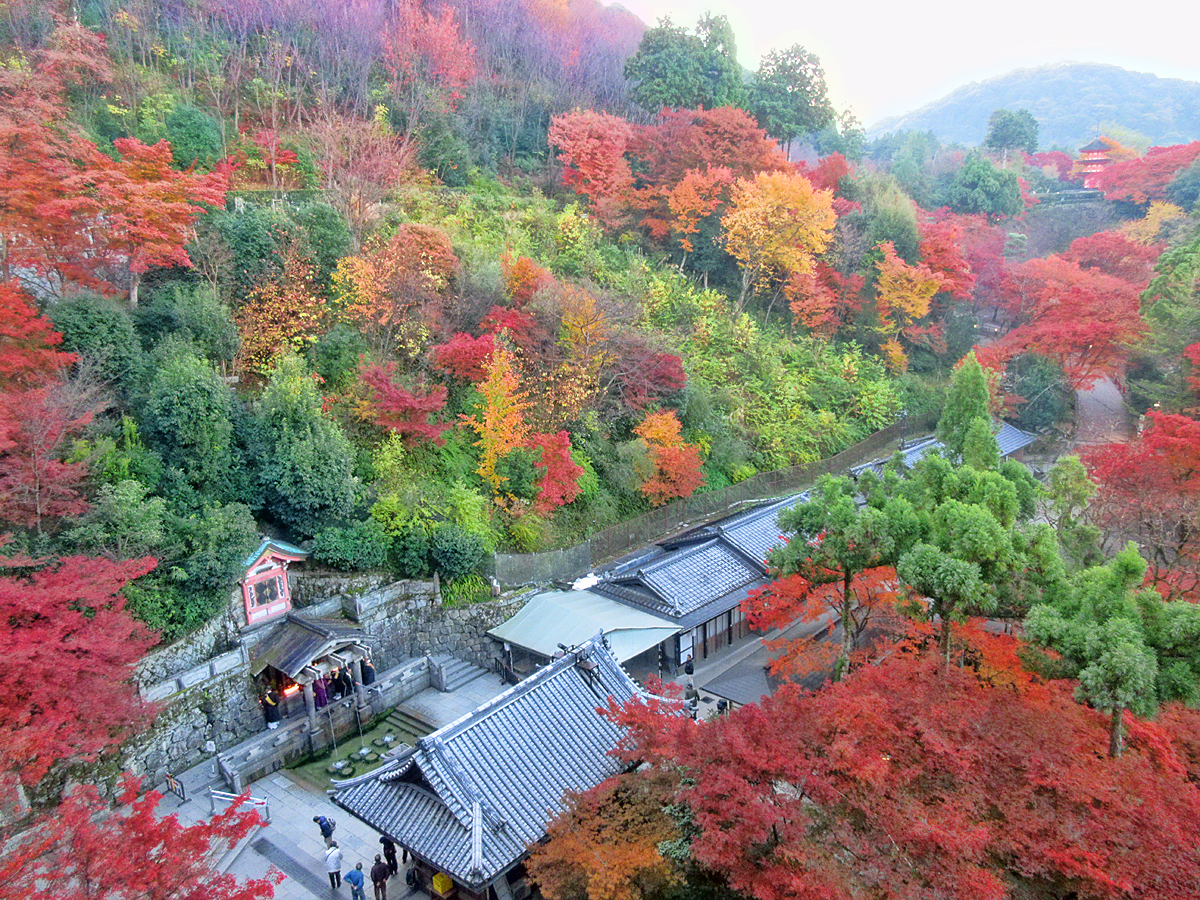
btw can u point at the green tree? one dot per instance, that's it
(123, 522)
(979, 188)
(100, 331)
(788, 95)
(1064, 505)
(967, 400)
(193, 313)
(980, 449)
(684, 71)
(187, 419)
(835, 539)
(1009, 130)
(195, 137)
(306, 461)
(1129, 648)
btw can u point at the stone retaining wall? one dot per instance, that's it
(211, 704)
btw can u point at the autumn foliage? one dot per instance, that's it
(909, 782)
(1145, 178)
(674, 466)
(401, 410)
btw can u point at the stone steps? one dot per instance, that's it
(457, 672)
(408, 723)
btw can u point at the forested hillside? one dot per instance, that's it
(411, 283)
(1072, 102)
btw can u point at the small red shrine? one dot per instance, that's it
(1092, 160)
(265, 589)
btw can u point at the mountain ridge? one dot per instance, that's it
(1072, 102)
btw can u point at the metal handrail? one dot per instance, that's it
(225, 797)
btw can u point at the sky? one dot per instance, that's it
(885, 58)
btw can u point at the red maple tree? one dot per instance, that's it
(401, 410)
(66, 693)
(558, 482)
(465, 357)
(91, 850)
(674, 465)
(1145, 178)
(906, 782)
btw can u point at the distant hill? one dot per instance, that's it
(1072, 103)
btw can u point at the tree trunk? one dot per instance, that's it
(944, 642)
(1116, 735)
(847, 627)
(134, 279)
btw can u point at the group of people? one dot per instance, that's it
(386, 864)
(340, 683)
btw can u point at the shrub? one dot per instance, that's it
(97, 329)
(410, 552)
(455, 551)
(195, 137)
(352, 548)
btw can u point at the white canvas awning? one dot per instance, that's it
(572, 617)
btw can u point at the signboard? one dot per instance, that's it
(175, 786)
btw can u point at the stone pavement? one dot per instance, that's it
(292, 843)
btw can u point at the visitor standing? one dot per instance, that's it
(319, 693)
(271, 711)
(379, 877)
(389, 853)
(356, 880)
(333, 865)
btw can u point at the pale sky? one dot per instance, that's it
(888, 58)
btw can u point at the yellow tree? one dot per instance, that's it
(500, 422)
(903, 296)
(776, 224)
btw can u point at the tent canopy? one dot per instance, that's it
(572, 617)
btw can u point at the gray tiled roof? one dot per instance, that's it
(756, 531)
(469, 798)
(1009, 438)
(297, 641)
(686, 582)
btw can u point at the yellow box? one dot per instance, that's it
(442, 883)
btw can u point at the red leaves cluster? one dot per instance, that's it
(89, 850)
(69, 649)
(404, 412)
(1149, 491)
(1083, 319)
(558, 483)
(465, 357)
(908, 782)
(674, 465)
(523, 278)
(1146, 178)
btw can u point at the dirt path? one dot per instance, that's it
(1101, 416)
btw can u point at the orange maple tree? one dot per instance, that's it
(674, 465)
(500, 422)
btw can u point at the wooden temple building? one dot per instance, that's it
(468, 800)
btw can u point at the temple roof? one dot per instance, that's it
(298, 642)
(470, 798)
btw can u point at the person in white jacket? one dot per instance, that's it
(333, 865)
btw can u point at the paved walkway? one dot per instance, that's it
(292, 843)
(1101, 415)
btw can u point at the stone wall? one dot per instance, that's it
(461, 631)
(217, 637)
(223, 711)
(210, 702)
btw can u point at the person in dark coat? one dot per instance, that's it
(271, 708)
(347, 682)
(379, 876)
(368, 671)
(326, 825)
(319, 692)
(389, 853)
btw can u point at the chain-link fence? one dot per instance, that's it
(530, 568)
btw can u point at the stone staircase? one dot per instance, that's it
(407, 723)
(454, 673)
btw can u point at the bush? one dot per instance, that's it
(352, 548)
(410, 553)
(195, 137)
(97, 329)
(455, 551)
(192, 313)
